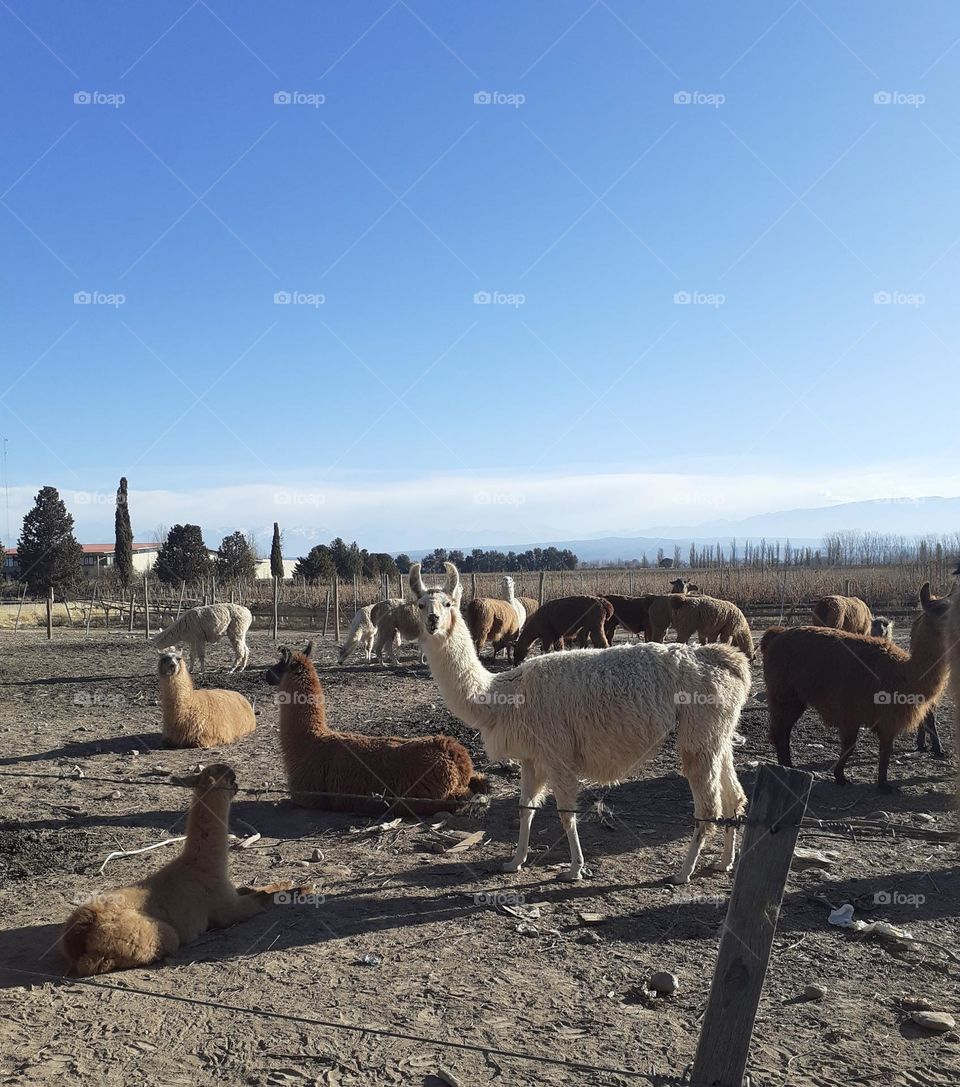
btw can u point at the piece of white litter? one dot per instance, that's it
(842, 917)
(134, 852)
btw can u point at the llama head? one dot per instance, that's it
(217, 776)
(509, 590)
(290, 667)
(679, 585)
(437, 608)
(881, 627)
(169, 664)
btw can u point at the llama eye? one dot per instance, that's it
(420, 606)
(447, 604)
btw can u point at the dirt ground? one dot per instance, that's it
(451, 963)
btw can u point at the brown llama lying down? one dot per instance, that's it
(320, 763)
(712, 620)
(143, 923)
(853, 680)
(193, 718)
(629, 612)
(494, 621)
(557, 621)
(848, 613)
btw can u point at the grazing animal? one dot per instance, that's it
(848, 613)
(193, 718)
(881, 627)
(712, 620)
(659, 615)
(557, 621)
(854, 681)
(143, 923)
(363, 630)
(682, 587)
(208, 624)
(323, 765)
(494, 621)
(398, 624)
(629, 612)
(590, 716)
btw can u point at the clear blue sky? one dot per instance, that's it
(790, 193)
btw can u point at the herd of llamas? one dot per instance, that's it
(566, 716)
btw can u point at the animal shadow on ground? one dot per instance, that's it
(106, 745)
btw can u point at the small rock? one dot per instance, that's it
(316, 855)
(302, 864)
(369, 959)
(133, 751)
(940, 1022)
(663, 982)
(116, 796)
(916, 1004)
(590, 938)
(591, 918)
(814, 992)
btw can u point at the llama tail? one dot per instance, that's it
(352, 634)
(97, 939)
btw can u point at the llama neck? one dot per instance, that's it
(175, 689)
(207, 828)
(927, 667)
(301, 705)
(462, 679)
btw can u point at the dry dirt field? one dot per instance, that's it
(450, 963)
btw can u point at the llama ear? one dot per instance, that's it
(417, 586)
(925, 595)
(452, 587)
(308, 649)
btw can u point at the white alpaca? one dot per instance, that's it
(594, 715)
(508, 593)
(208, 623)
(363, 629)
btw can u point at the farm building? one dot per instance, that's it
(96, 557)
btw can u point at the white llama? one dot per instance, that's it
(594, 715)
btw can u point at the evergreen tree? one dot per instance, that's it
(123, 535)
(183, 556)
(236, 558)
(317, 566)
(276, 554)
(47, 551)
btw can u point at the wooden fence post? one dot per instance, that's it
(50, 612)
(146, 609)
(276, 605)
(183, 589)
(66, 606)
(93, 594)
(336, 607)
(773, 822)
(543, 575)
(326, 614)
(130, 627)
(23, 596)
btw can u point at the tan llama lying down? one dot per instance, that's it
(323, 765)
(143, 923)
(193, 718)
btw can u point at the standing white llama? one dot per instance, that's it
(594, 715)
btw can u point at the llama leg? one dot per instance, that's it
(733, 801)
(565, 794)
(783, 715)
(531, 789)
(848, 742)
(886, 749)
(702, 772)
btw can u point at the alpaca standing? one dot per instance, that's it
(494, 621)
(508, 592)
(928, 726)
(343, 771)
(712, 620)
(593, 716)
(559, 621)
(363, 629)
(659, 615)
(848, 613)
(193, 718)
(140, 924)
(854, 681)
(398, 624)
(209, 623)
(629, 612)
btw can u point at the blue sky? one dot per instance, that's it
(687, 315)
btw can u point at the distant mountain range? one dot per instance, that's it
(908, 517)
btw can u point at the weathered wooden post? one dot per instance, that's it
(326, 613)
(130, 627)
(276, 605)
(773, 822)
(336, 607)
(23, 596)
(66, 607)
(146, 609)
(50, 612)
(543, 575)
(183, 589)
(473, 586)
